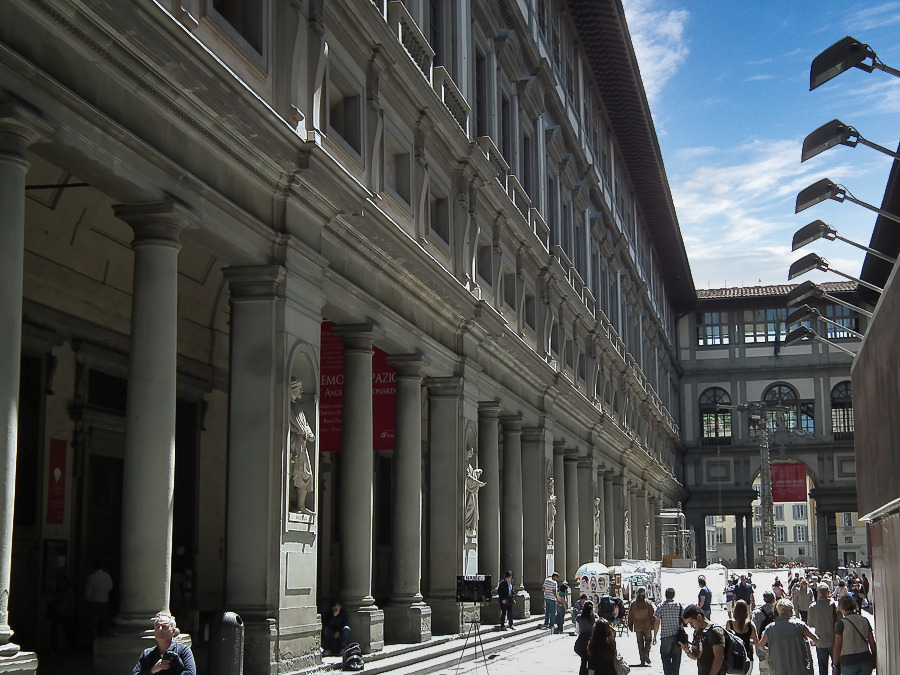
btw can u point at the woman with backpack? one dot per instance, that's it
(584, 624)
(743, 627)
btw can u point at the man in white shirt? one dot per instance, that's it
(551, 598)
(96, 594)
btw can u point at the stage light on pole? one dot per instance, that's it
(811, 262)
(835, 133)
(804, 332)
(819, 230)
(843, 55)
(825, 189)
(808, 289)
(807, 313)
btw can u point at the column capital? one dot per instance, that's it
(444, 387)
(489, 409)
(512, 423)
(532, 434)
(156, 223)
(407, 365)
(355, 336)
(559, 448)
(255, 281)
(20, 127)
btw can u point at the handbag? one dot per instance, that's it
(681, 636)
(622, 668)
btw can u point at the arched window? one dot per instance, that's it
(715, 423)
(785, 411)
(842, 412)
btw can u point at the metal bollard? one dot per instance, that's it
(226, 645)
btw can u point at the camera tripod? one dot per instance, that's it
(474, 634)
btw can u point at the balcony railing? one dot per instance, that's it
(451, 96)
(408, 34)
(495, 157)
(519, 197)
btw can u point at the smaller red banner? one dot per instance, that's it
(789, 482)
(56, 492)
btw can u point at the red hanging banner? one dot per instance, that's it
(331, 395)
(789, 482)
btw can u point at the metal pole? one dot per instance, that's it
(765, 493)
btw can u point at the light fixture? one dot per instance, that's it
(843, 55)
(819, 230)
(807, 313)
(811, 262)
(804, 332)
(808, 289)
(835, 133)
(825, 189)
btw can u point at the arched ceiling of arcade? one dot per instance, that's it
(79, 262)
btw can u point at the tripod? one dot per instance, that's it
(474, 634)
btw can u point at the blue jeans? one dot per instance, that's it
(670, 655)
(560, 618)
(857, 669)
(549, 613)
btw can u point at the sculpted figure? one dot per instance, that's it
(473, 485)
(551, 509)
(627, 536)
(301, 468)
(597, 515)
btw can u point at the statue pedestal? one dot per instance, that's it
(405, 624)
(522, 608)
(14, 661)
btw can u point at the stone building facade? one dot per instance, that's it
(732, 354)
(316, 298)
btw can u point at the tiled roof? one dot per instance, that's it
(770, 291)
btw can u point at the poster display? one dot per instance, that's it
(789, 482)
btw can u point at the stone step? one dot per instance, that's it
(446, 651)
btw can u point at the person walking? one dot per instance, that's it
(708, 646)
(668, 625)
(802, 597)
(823, 614)
(744, 591)
(640, 620)
(551, 598)
(784, 642)
(602, 649)
(762, 617)
(704, 597)
(584, 625)
(855, 651)
(743, 627)
(506, 597)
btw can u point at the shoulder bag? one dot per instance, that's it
(622, 668)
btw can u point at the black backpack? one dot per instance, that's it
(353, 658)
(607, 608)
(767, 619)
(736, 661)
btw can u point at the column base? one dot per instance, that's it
(405, 624)
(522, 608)
(367, 628)
(25, 663)
(118, 651)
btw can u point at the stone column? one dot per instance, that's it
(609, 520)
(148, 476)
(620, 500)
(585, 515)
(739, 541)
(573, 534)
(751, 545)
(356, 481)
(19, 128)
(511, 526)
(407, 618)
(654, 553)
(601, 495)
(446, 497)
(489, 495)
(534, 509)
(560, 561)
(639, 538)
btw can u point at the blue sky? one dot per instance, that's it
(728, 85)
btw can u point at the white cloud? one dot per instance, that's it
(659, 42)
(870, 18)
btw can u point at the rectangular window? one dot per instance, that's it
(763, 325)
(720, 535)
(780, 533)
(799, 511)
(344, 109)
(848, 519)
(757, 512)
(801, 533)
(246, 17)
(844, 316)
(712, 329)
(779, 512)
(801, 550)
(483, 264)
(398, 169)
(481, 95)
(757, 535)
(509, 290)
(440, 217)
(530, 311)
